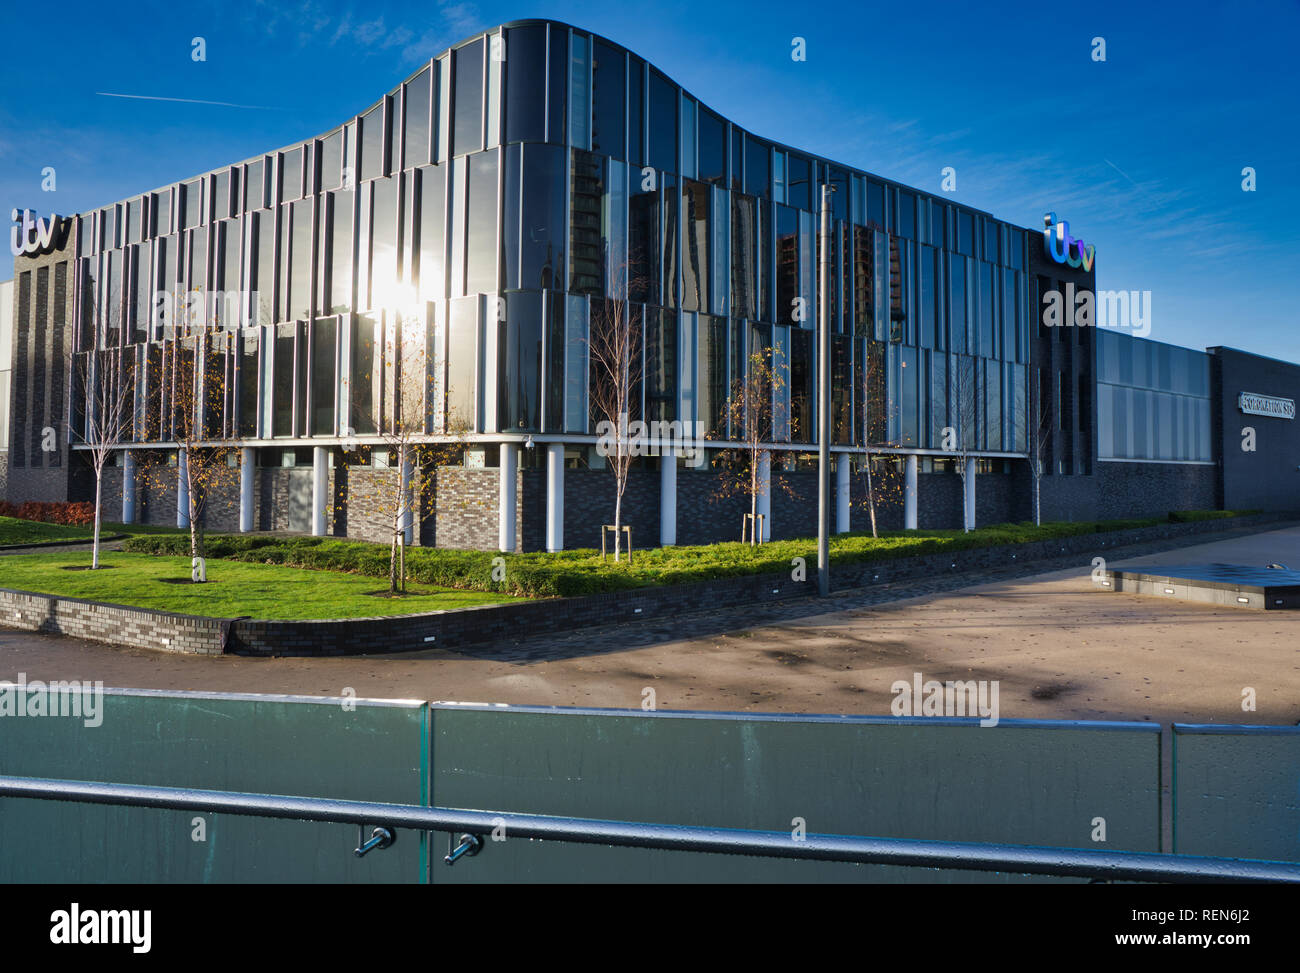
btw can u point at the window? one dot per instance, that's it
(906, 215)
(329, 152)
(296, 275)
(875, 203)
(247, 384)
(339, 298)
(966, 233)
(586, 250)
(579, 92)
(713, 374)
(555, 360)
(324, 334)
(525, 97)
(744, 256)
(608, 95)
(416, 135)
(132, 232)
(636, 111)
(799, 186)
(191, 210)
(254, 192)
(161, 215)
(688, 168)
(663, 122)
(372, 143)
(575, 364)
(282, 391)
(557, 71)
(668, 236)
(661, 364)
(264, 279)
(787, 265)
(991, 234)
(534, 239)
(291, 175)
(467, 115)
(481, 243)
(802, 369)
(384, 273)
(363, 390)
(519, 359)
(695, 246)
(433, 222)
(643, 243)
(758, 168)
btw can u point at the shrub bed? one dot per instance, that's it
(581, 572)
(50, 512)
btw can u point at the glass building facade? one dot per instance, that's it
(1153, 401)
(493, 200)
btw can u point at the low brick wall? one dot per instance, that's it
(142, 628)
(139, 628)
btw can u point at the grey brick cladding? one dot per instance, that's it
(43, 309)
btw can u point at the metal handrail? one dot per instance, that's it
(971, 856)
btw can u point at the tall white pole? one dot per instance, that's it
(824, 404)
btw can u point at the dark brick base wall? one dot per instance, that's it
(589, 502)
(1122, 490)
(115, 624)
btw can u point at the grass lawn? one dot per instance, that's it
(579, 572)
(234, 588)
(15, 531)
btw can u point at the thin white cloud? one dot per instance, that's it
(187, 101)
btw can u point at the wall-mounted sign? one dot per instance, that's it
(1063, 248)
(33, 236)
(1266, 405)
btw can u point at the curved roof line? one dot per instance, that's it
(535, 22)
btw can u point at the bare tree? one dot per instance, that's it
(614, 348)
(883, 487)
(1037, 417)
(398, 414)
(105, 384)
(197, 394)
(961, 442)
(753, 410)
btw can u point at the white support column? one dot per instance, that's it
(970, 492)
(765, 494)
(842, 487)
(667, 496)
(909, 494)
(320, 482)
(182, 489)
(506, 497)
(246, 466)
(555, 497)
(128, 487)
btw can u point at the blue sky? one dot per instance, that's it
(1143, 153)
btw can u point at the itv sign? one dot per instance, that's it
(33, 236)
(1063, 248)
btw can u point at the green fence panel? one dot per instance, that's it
(351, 749)
(1021, 782)
(1237, 791)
